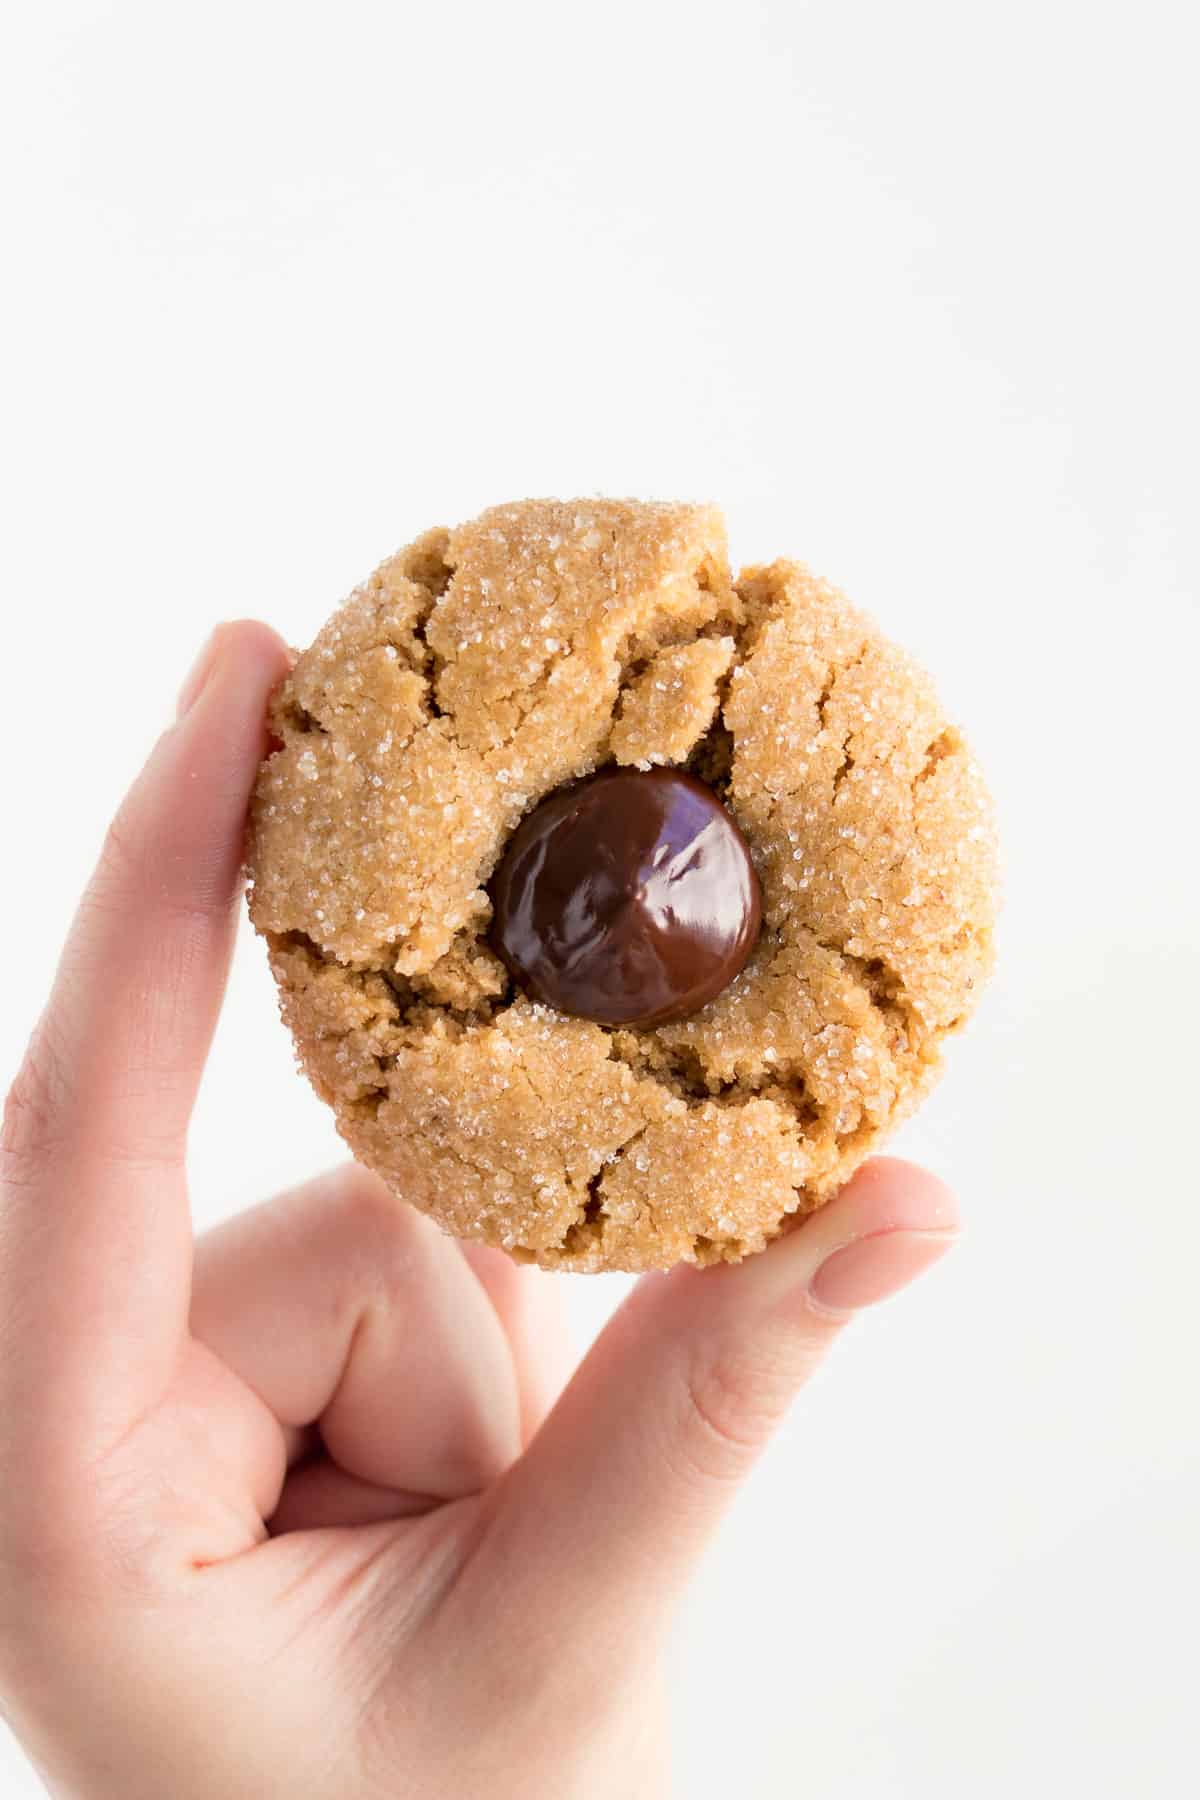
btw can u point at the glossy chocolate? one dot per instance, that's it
(628, 898)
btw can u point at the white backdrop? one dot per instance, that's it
(912, 290)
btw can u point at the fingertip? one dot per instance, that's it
(181, 825)
(222, 724)
(906, 1195)
(891, 1221)
(884, 1196)
(243, 657)
(256, 642)
(875, 1267)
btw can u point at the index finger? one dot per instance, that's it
(95, 1242)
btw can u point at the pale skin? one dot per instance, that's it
(293, 1508)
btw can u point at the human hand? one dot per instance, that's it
(278, 1511)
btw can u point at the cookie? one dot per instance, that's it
(484, 1040)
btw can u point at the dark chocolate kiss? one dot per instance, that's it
(629, 898)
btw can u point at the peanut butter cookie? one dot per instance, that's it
(618, 909)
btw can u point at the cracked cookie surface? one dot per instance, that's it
(476, 671)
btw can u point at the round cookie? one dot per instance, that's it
(481, 669)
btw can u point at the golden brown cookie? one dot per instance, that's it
(474, 673)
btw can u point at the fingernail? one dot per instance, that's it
(874, 1267)
(198, 675)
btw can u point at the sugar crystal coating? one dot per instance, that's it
(480, 669)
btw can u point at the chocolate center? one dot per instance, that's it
(628, 898)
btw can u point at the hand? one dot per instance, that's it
(274, 1519)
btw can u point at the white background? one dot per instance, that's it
(911, 290)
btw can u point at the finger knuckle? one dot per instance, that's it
(140, 866)
(731, 1401)
(122, 855)
(34, 1109)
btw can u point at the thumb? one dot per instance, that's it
(606, 1514)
